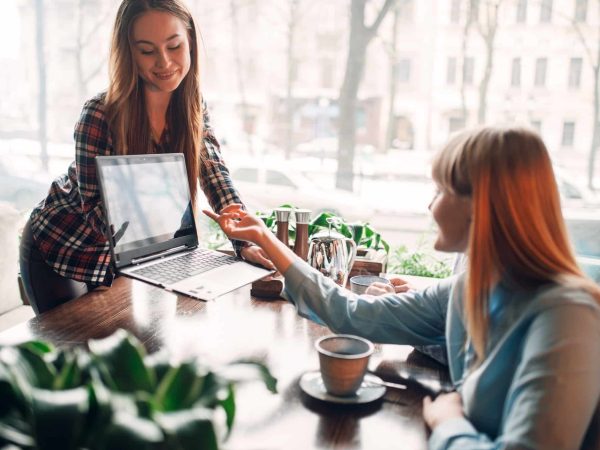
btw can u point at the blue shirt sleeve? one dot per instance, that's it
(408, 318)
(555, 389)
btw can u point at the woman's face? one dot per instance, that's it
(452, 213)
(161, 50)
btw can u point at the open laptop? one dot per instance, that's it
(148, 211)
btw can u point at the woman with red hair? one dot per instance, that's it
(521, 325)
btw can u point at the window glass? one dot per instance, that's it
(521, 11)
(277, 178)
(575, 72)
(540, 72)
(286, 94)
(515, 76)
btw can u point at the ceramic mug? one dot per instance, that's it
(343, 360)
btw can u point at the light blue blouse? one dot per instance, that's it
(539, 385)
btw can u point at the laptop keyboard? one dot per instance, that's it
(185, 266)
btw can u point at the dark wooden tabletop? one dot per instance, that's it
(237, 325)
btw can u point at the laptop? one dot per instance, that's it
(153, 237)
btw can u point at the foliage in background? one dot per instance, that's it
(419, 262)
(362, 233)
(115, 396)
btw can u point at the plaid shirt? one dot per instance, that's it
(68, 225)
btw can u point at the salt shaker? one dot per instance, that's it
(282, 215)
(301, 243)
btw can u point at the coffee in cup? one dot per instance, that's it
(343, 361)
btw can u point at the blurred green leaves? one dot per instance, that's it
(362, 233)
(115, 396)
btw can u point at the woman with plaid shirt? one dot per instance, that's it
(153, 105)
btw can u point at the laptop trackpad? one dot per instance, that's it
(219, 281)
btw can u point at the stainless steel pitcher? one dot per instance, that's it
(332, 254)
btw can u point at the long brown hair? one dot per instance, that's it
(517, 231)
(125, 104)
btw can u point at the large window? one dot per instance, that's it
(581, 7)
(515, 73)
(521, 11)
(451, 70)
(545, 11)
(279, 78)
(575, 72)
(468, 70)
(541, 64)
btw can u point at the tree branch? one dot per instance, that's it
(382, 13)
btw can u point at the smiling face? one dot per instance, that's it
(452, 213)
(161, 50)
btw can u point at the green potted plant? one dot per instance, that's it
(114, 396)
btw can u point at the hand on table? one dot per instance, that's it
(444, 407)
(398, 285)
(257, 255)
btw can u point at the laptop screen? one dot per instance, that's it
(147, 201)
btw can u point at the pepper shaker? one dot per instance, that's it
(301, 243)
(282, 215)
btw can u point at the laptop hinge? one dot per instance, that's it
(161, 254)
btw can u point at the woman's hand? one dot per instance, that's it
(238, 224)
(398, 285)
(444, 407)
(255, 254)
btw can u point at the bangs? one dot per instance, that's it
(450, 168)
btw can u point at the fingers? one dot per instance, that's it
(396, 281)
(402, 288)
(234, 207)
(379, 289)
(211, 214)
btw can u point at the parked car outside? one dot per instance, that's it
(265, 186)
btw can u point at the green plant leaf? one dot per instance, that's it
(9, 434)
(228, 405)
(37, 347)
(99, 414)
(247, 370)
(122, 357)
(58, 417)
(43, 370)
(69, 375)
(180, 387)
(127, 431)
(190, 429)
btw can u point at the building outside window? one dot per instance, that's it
(402, 69)
(575, 72)
(546, 11)
(568, 134)
(468, 70)
(451, 70)
(581, 7)
(456, 124)
(455, 11)
(515, 75)
(522, 11)
(541, 64)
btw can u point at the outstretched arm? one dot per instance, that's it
(240, 225)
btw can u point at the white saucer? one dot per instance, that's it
(312, 384)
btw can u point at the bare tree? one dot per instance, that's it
(487, 30)
(43, 91)
(84, 37)
(361, 35)
(392, 124)
(291, 70)
(472, 8)
(235, 36)
(593, 58)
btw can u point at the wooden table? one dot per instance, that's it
(237, 325)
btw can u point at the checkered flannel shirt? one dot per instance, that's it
(68, 225)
